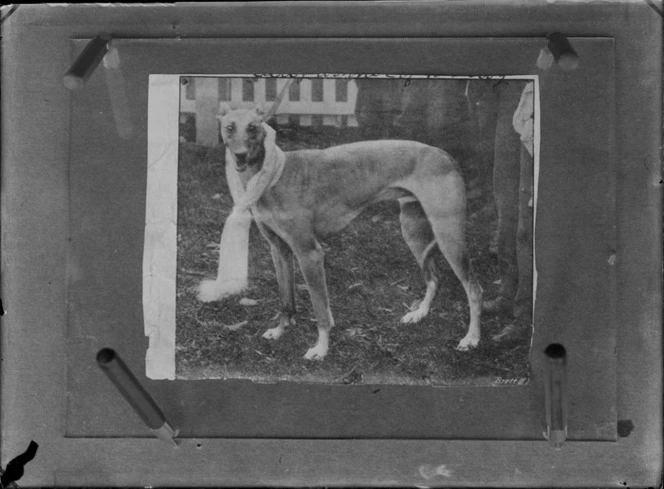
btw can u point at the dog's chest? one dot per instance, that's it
(270, 215)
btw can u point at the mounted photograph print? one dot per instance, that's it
(342, 229)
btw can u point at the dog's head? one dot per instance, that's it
(243, 135)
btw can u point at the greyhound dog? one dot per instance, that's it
(319, 192)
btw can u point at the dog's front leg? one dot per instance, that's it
(282, 256)
(310, 259)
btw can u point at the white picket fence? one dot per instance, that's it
(309, 101)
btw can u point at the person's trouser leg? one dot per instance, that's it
(523, 302)
(506, 175)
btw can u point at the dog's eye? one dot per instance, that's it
(251, 129)
(230, 127)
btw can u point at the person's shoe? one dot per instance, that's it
(515, 331)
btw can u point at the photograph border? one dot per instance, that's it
(160, 247)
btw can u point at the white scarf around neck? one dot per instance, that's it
(232, 273)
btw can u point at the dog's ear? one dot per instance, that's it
(224, 108)
(261, 111)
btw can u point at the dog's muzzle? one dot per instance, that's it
(240, 161)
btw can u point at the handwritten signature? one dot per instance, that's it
(298, 77)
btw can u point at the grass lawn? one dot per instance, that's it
(372, 278)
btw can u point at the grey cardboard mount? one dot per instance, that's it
(73, 210)
(575, 231)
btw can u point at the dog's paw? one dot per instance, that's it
(316, 353)
(414, 316)
(274, 333)
(467, 343)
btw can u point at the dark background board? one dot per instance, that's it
(63, 273)
(573, 243)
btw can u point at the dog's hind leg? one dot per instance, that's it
(282, 256)
(443, 201)
(419, 237)
(310, 256)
